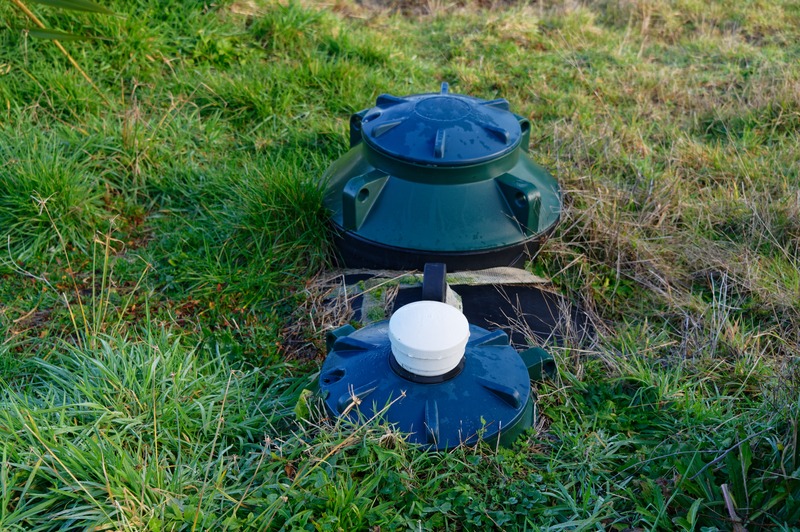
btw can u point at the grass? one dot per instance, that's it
(162, 257)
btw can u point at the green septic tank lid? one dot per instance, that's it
(441, 129)
(439, 178)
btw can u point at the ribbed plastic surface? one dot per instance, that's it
(441, 178)
(441, 129)
(488, 397)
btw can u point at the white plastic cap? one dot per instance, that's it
(428, 338)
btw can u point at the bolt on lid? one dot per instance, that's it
(428, 338)
(441, 129)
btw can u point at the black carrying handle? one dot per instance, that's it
(434, 282)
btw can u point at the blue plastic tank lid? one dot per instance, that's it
(489, 393)
(441, 129)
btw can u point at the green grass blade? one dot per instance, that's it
(76, 5)
(55, 34)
